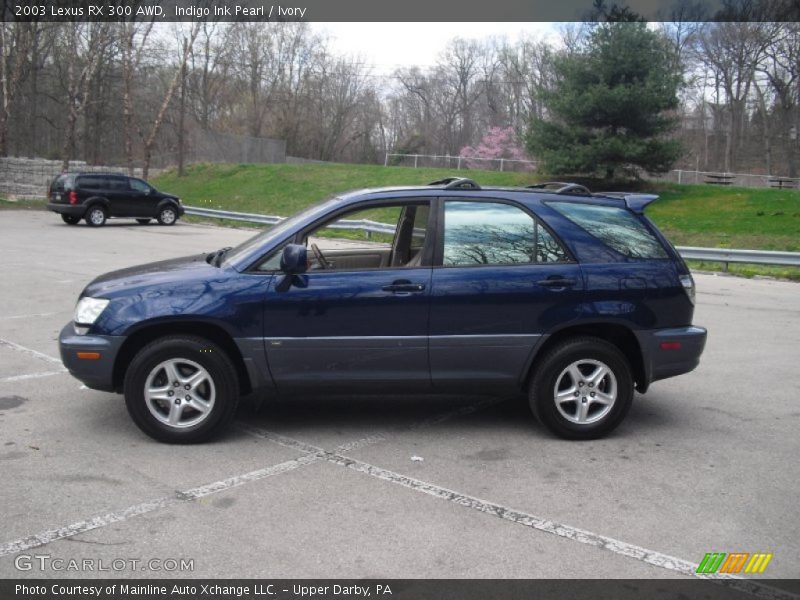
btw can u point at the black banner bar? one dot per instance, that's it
(396, 589)
(394, 11)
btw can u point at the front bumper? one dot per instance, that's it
(671, 352)
(96, 373)
(73, 210)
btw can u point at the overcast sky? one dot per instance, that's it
(388, 46)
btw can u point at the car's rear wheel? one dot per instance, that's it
(96, 216)
(582, 388)
(142, 221)
(167, 216)
(70, 219)
(181, 389)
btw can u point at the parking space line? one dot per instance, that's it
(312, 454)
(31, 376)
(651, 557)
(31, 316)
(29, 351)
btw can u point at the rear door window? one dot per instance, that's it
(616, 227)
(493, 233)
(93, 183)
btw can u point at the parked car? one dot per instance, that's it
(95, 197)
(575, 298)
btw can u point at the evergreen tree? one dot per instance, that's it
(612, 105)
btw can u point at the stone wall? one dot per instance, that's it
(29, 178)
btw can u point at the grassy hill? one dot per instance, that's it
(690, 215)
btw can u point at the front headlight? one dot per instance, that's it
(88, 309)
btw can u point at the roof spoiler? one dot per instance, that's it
(635, 202)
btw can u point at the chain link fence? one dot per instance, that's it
(458, 163)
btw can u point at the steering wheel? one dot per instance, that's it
(321, 260)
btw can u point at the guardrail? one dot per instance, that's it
(720, 255)
(363, 224)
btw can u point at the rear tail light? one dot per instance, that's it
(73, 197)
(688, 286)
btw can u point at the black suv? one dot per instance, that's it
(97, 196)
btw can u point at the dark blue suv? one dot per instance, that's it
(575, 298)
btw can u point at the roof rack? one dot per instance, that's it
(455, 183)
(561, 187)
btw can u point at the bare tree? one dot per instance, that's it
(188, 42)
(16, 40)
(85, 47)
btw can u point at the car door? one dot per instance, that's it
(362, 321)
(501, 280)
(143, 199)
(119, 197)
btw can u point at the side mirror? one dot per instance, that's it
(294, 262)
(294, 259)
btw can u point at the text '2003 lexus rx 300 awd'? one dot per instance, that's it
(575, 298)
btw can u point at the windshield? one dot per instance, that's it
(276, 232)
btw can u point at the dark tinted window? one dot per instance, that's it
(137, 185)
(118, 183)
(93, 182)
(491, 233)
(617, 227)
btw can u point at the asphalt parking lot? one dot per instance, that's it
(333, 487)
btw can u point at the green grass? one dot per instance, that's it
(6, 204)
(284, 189)
(690, 215)
(718, 217)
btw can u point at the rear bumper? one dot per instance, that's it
(96, 373)
(671, 352)
(73, 210)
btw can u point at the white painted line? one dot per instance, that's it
(31, 316)
(651, 557)
(29, 351)
(31, 376)
(313, 454)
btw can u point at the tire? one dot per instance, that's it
(142, 221)
(570, 368)
(213, 397)
(96, 216)
(167, 216)
(70, 219)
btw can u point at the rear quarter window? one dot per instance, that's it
(616, 227)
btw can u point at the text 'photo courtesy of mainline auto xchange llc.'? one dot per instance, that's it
(343, 299)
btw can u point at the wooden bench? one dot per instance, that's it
(783, 182)
(719, 179)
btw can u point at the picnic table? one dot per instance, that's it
(719, 179)
(783, 182)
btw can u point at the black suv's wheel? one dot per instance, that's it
(167, 215)
(181, 389)
(70, 219)
(142, 221)
(96, 216)
(582, 388)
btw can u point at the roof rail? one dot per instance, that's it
(561, 187)
(454, 183)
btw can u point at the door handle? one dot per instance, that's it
(556, 282)
(403, 285)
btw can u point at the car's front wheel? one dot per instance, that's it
(582, 388)
(181, 389)
(70, 219)
(167, 216)
(96, 216)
